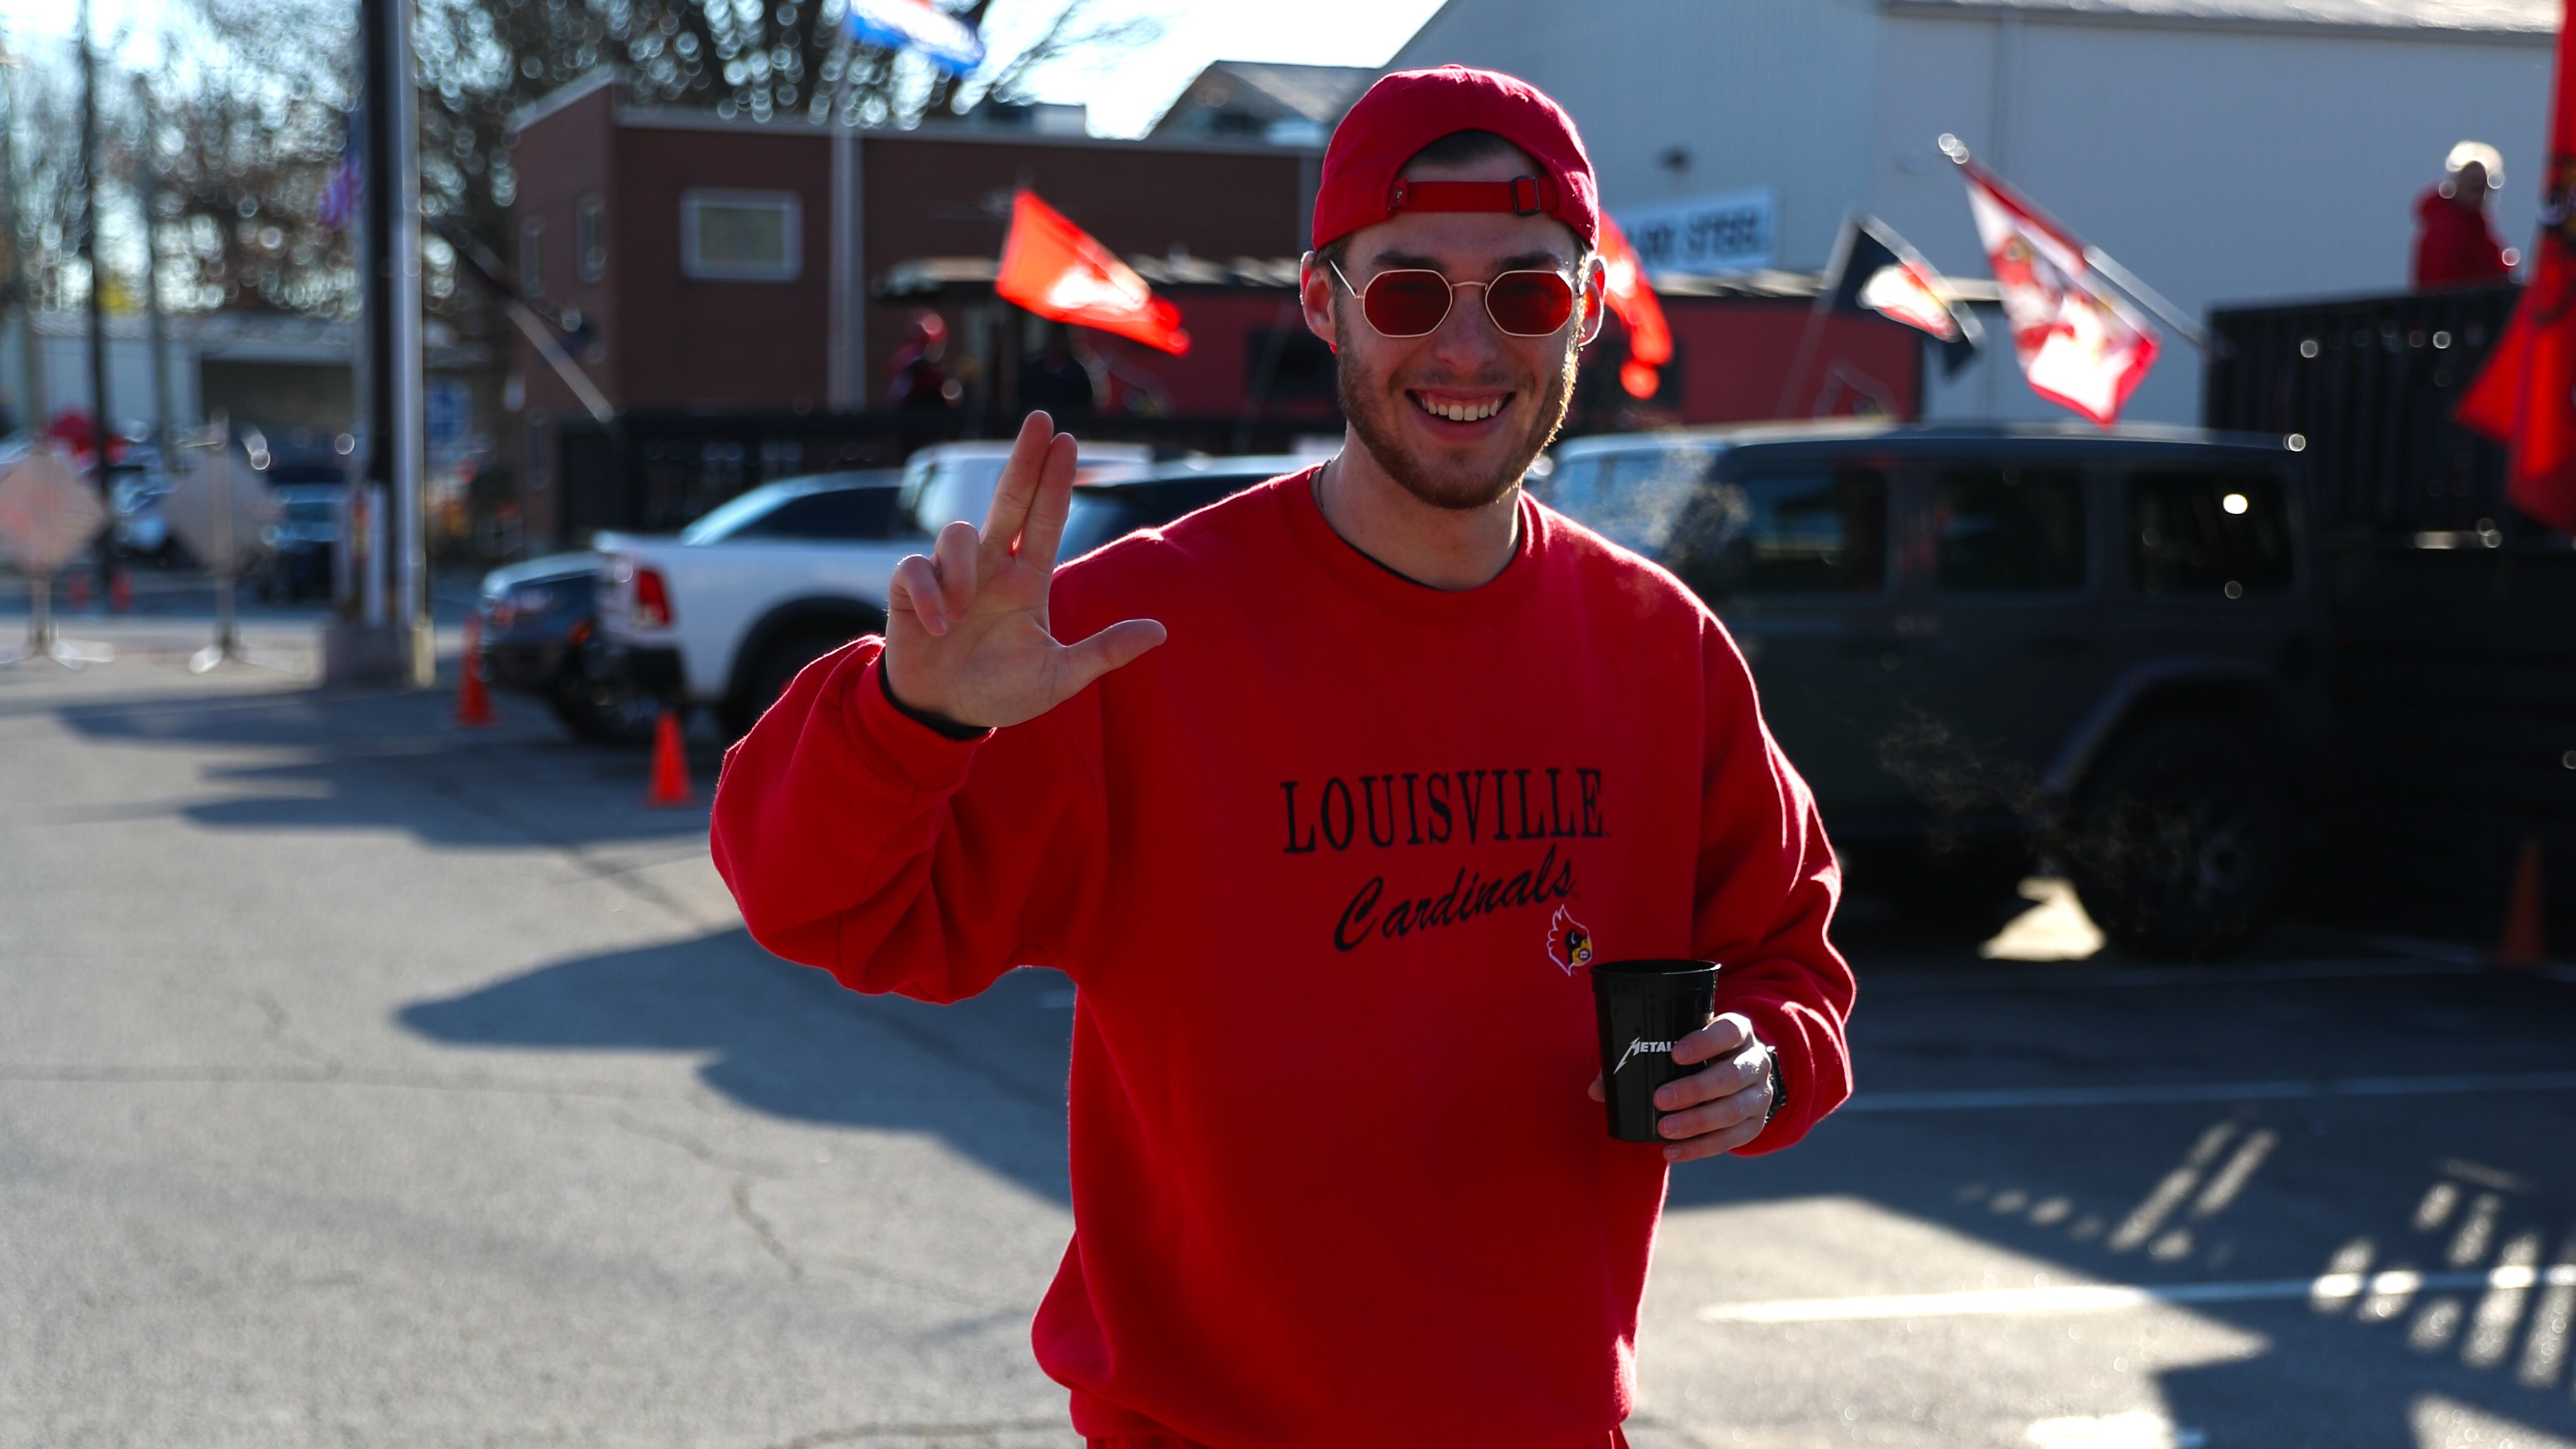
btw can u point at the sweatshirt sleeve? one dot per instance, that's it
(859, 840)
(1766, 888)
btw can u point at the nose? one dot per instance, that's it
(1468, 332)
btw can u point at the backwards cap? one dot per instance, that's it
(1409, 110)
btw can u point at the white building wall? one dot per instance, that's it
(2222, 162)
(1761, 93)
(2221, 166)
(130, 399)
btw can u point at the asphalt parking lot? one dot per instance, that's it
(366, 1081)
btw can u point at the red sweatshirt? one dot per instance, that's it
(1312, 866)
(2455, 245)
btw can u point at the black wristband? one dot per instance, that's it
(938, 724)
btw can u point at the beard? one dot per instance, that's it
(1457, 486)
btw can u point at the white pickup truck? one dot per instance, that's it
(727, 612)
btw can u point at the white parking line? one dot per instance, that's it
(2048, 976)
(1985, 1098)
(2328, 1290)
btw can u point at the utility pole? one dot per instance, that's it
(14, 289)
(367, 641)
(147, 180)
(97, 279)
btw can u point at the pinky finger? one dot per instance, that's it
(1714, 1144)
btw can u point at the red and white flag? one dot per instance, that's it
(1056, 270)
(2079, 345)
(1624, 287)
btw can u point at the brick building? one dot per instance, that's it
(742, 288)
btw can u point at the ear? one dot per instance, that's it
(1315, 289)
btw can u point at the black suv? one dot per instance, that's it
(1983, 644)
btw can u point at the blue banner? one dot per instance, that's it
(916, 25)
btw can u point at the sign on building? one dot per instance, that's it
(1736, 231)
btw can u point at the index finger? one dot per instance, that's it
(1018, 486)
(1727, 1034)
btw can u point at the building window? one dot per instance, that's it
(590, 238)
(532, 259)
(739, 236)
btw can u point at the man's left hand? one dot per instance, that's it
(1722, 1108)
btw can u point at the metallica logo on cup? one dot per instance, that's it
(1635, 1047)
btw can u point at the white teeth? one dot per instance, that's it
(1463, 412)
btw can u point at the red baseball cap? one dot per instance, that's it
(1409, 110)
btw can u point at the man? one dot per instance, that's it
(916, 381)
(2455, 243)
(1328, 774)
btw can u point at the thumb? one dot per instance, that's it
(1112, 648)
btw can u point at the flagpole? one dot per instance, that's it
(1814, 327)
(2145, 296)
(2112, 272)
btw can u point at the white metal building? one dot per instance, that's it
(2224, 150)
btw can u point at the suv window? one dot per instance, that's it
(2001, 527)
(1816, 531)
(2209, 531)
(833, 513)
(1631, 496)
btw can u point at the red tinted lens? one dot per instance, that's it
(1408, 303)
(1530, 304)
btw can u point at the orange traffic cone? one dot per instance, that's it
(120, 591)
(473, 701)
(2526, 912)
(670, 763)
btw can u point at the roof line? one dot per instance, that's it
(686, 118)
(560, 97)
(2069, 14)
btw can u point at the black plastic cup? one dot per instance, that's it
(1644, 1007)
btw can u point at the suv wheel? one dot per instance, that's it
(780, 662)
(2181, 841)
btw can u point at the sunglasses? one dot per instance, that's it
(1414, 301)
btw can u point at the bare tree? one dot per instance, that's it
(246, 133)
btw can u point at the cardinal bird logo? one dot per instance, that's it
(1569, 945)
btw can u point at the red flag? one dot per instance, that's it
(1056, 270)
(2080, 346)
(2526, 396)
(1650, 340)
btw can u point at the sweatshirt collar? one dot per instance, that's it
(1381, 588)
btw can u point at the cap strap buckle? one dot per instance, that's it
(1521, 196)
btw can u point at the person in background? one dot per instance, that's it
(919, 382)
(2455, 242)
(1055, 382)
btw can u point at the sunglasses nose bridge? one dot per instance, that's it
(1477, 311)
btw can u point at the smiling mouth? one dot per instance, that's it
(1460, 409)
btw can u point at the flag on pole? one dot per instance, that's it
(2080, 346)
(918, 26)
(1650, 338)
(2525, 398)
(1056, 270)
(347, 184)
(1874, 270)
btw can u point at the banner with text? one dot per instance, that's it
(1734, 232)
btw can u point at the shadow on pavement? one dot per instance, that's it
(353, 759)
(790, 1041)
(2268, 1196)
